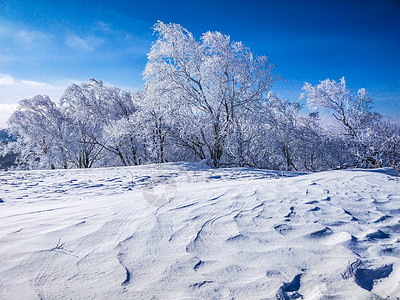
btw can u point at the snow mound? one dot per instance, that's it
(184, 230)
(387, 171)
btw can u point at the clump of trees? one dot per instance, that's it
(369, 141)
(207, 99)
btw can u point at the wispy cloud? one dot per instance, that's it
(103, 27)
(120, 41)
(36, 84)
(83, 44)
(32, 39)
(6, 80)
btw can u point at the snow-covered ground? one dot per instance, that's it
(180, 231)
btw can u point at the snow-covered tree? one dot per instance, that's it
(38, 126)
(126, 134)
(363, 132)
(82, 104)
(207, 81)
(91, 108)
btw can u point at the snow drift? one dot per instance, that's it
(178, 231)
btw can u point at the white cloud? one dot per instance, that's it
(13, 90)
(86, 44)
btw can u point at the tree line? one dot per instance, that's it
(209, 99)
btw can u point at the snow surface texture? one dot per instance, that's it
(183, 231)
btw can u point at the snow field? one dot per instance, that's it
(179, 231)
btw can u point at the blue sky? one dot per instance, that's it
(46, 45)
